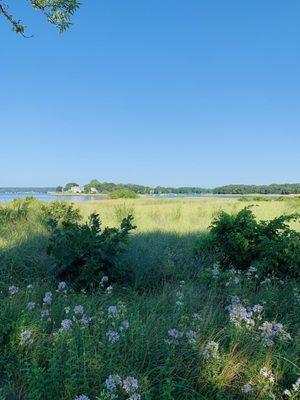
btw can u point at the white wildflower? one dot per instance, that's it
(48, 298)
(239, 315)
(296, 292)
(31, 305)
(62, 286)
(267, 374)
(45, 313)
(191, 337)
(112, 382)
(211, 350)
(175, 333)
(109, 289)
(251, 271)
(135, 397)
(215, 271)
(85, 320)
(130, 385)
(271, 330)
(247, 388)
(287, 392)
(295, 389)
(78, 309)
(104, 281)
(13, 289)
(124, 325)
(266, 281)
(113, 336)
(66, 325)
(112, 311)
(257, 308)
(296, 385)
(26, 337)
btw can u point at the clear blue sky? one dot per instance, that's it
(157, 92)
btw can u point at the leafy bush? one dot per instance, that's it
(85, 252)
(239, 240)
(57, 212)
(123, 194)
(261, 198)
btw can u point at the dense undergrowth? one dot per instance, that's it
(180, 326)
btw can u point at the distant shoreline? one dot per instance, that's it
(63, 194)
(104, 195)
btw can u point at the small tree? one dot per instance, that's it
(59, 189)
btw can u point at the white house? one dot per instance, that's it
(93, 190)
(76, 189)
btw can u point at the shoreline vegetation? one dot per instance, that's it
(177, 195)
(95, 187)
(109, 189)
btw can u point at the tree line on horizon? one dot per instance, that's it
(108, 187)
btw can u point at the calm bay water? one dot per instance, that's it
(7, 197)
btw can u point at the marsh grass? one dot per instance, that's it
(184, 215)
(61, 366)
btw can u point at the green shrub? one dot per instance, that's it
(261, 198)
(239, 240)
(123, 194)
(279, 246)
(83, 253)
(57, 212)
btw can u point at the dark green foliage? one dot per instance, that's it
(279, 246)
(85, 252)
(239, 240)
(284, 188)
(234, 238)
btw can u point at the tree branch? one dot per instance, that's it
(17, 26)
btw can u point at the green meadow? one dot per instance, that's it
(176, 326)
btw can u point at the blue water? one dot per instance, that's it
(7, 197)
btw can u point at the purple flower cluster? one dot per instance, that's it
(129, 386)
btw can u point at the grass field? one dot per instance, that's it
(170, 335)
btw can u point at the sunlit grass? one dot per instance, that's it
(182, 215)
